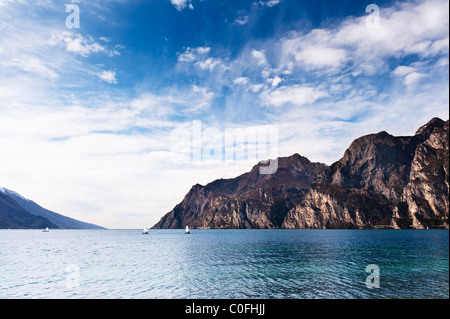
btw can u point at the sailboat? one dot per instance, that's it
(145, 230)
(187, 231)
(46, 230)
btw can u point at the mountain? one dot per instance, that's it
(12, 215)
(19, 212)
(381, 181)
(252, 200)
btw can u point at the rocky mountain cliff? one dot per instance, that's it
(381, 181)
(427, 192)
(251, 200)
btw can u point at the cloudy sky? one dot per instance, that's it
(101, 122)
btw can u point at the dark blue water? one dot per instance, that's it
(223, 264)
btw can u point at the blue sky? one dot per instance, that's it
(89, 115)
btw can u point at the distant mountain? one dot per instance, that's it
(12, 215)
(19, 212)
(381, 181)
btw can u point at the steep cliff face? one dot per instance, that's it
(382, 180)
(427, 191)
(251, 200)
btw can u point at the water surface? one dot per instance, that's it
(223, 263)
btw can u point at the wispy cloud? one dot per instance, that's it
(241, 20)
(84, 46)
(241, 80)
(175, 101)
(181, 4)
(32, 65)
(200, 58)
(294, 95)
(267, 3)
(192, 54)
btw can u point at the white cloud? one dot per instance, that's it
(268, 3)
(320, 57)
(405, 29)
(241, 20)
(108, 76)
(201, 59)
(313, 51)
(403, 70)
(274, 81)
(409, 74)
(294, 95)
(413, 77)
(181, 4)
(187, 56)
(193, 54)
(203, 50)
(260, 57)
(208, 64)
(272, 3)
(257, 87)
(241, 80)
(200, 99)
(84, 46)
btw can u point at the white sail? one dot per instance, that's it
(187, 230)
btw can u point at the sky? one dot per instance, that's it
(110, 111)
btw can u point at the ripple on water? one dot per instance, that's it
(223, 264)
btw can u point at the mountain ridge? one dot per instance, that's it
(15, 208)
(12, 215)
(255, 200)
(381, 181)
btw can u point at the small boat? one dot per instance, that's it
(145, 231)
(46, 230)
(187, 231)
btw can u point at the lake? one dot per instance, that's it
(211, 264)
